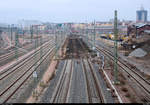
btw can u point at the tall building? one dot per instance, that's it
(141, 15)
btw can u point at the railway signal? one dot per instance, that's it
(34, 74)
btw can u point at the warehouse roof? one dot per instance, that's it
(147, 31)
(139, 25)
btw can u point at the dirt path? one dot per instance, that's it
(45, 79)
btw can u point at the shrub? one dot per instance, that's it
(128, 95)
(124, 89)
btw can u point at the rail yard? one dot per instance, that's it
(81, 75)
(97, 62)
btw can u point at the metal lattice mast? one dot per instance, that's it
(35, 55)
(57, 39)
(115, 49)
(61, 35)
(35, 45)
(37, 36)
(23, 32)
(11, 32)
(8, 29)
(94, 37)
(41, 49)
(16, 44)
(87, 33)
(31, 31)
(55, 42)
(91, 37)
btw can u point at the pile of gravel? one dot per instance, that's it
(138, 53)
(146, 47)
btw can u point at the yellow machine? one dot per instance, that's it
(111, 36)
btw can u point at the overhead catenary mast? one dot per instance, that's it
(41, 47)
(116, 49)
(16, 44)
(56, 40)
(31, 31)
(11, 32)
(94, 36)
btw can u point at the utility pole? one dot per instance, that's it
(116, 49)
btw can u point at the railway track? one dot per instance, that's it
(30, 59)
(94, 75)
(78, 81)
(61, 91)
(12, 81)
(22, 61)
(93, 86)
(83, 47)
(10, 56)
(141, 81)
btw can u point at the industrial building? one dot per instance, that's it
(138, 29)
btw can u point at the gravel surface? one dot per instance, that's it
(138, 53)
(92, 85)
(9, 80)
(28, 87)
(78, 92)
(107, 93)
(48, 93)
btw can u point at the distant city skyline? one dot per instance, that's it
(69, 10)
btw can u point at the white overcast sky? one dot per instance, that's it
(69, 10)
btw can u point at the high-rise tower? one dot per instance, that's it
(141, 15)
